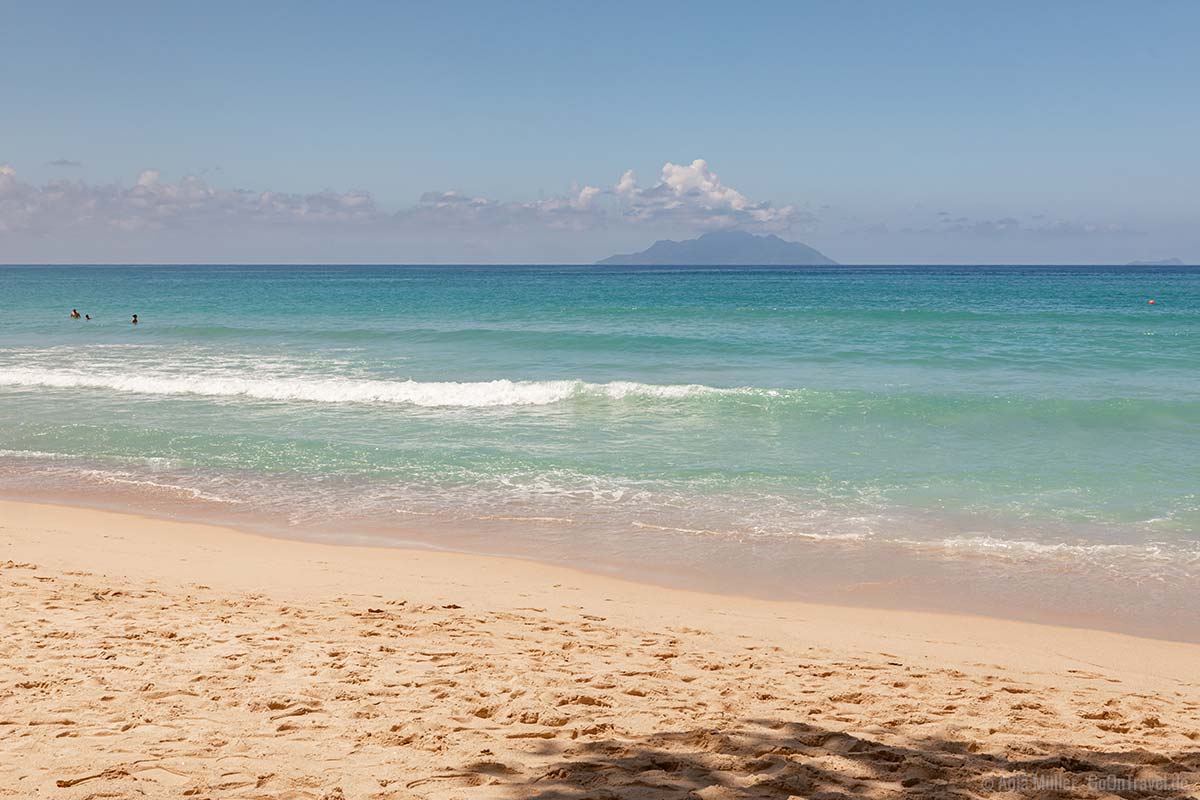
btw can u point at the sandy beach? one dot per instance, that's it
(144, 658)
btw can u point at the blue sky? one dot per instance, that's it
(877, 132)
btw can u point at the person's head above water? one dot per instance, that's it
(134, 320)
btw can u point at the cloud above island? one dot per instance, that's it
(685, 195)
(192, 219)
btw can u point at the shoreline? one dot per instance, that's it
(169, 658)
(441, 565)
(946, 588)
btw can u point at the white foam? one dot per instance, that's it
(40, 454)
(670, 529)
(476, 394)
(124, 478)
(1024, 548)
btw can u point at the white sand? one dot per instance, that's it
(143, 658)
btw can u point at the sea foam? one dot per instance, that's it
(464, 394)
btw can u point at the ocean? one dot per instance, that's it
(1020, 441)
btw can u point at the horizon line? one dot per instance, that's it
(838, 265)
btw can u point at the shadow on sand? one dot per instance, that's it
(770, 760)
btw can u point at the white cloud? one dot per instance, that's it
(692, 194)
(159, 218)
(152, 204)
(686, 196)
(576, 210)
(627, 185)
(152, 217)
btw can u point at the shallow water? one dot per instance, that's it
(1023, 441)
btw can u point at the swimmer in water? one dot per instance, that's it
(88, 317)
(74, 313)
(134, 320)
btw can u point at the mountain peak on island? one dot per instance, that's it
(722, 249)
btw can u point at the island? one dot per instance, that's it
(724, 248)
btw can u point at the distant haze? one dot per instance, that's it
(1164, 262)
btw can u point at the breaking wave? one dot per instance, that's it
(466, 394)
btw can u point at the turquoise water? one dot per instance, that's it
(1029, 434)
